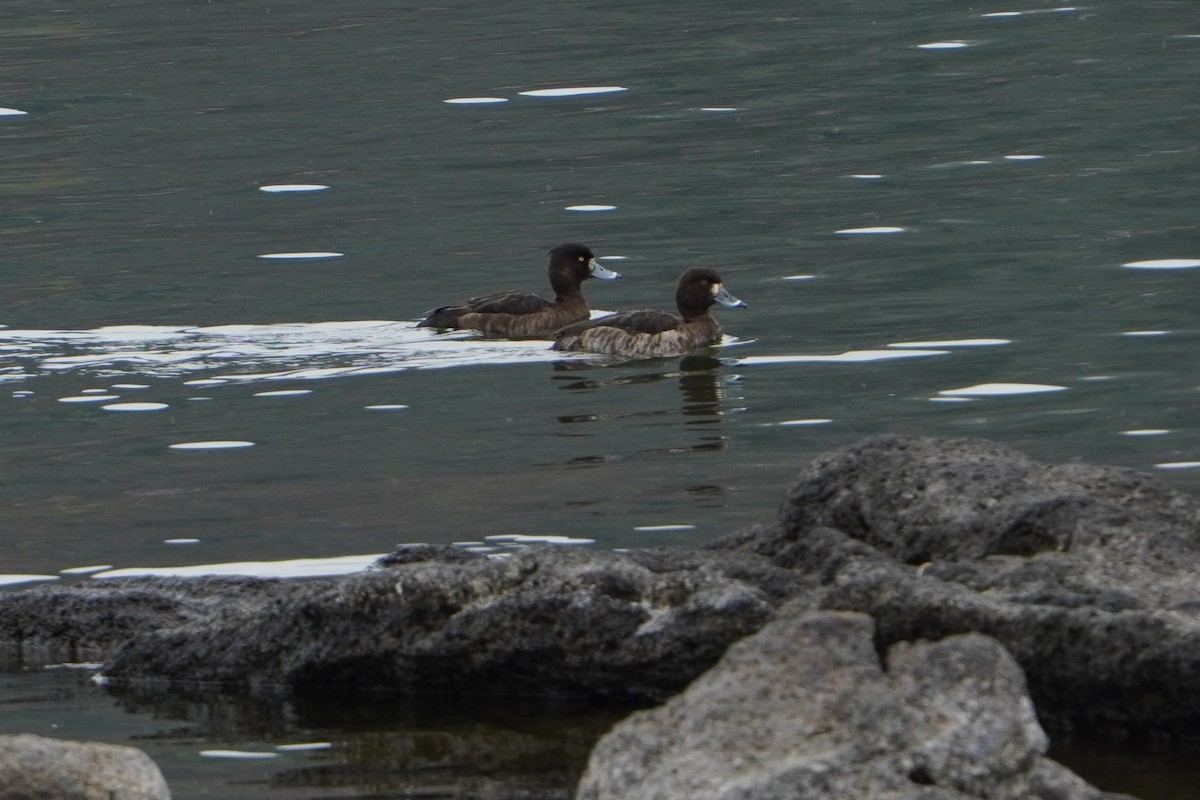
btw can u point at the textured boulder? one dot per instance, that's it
(36, 768)
(545, 621)
(1087, 574)
(805, 709)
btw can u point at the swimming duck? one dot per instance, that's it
(520, 315)
(644, 334)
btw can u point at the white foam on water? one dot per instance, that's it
(591, 208)
(290, 568)
(520, 538)
(14, 579)
(953, 343)
(664, 528)
(135, 407)
(313, 254)
(1146, 432)
(1023, 157)
(799, 277)
(1178, 465)
(387, 407)
(284, 393)
(245, 754)
(871, 231)
(1145, 333)
(301, 747)
(573, 91)
(475, 101)
(803, 422)
(1164, 263)
(89, 398)
(227, 444)
(181, 541)
(85, 570)
(1001, 390)
(951, 45)
(850, 357)
(12, 112)
(284, 188)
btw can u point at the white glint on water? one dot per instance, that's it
(284, 188)
(799, 277)
(718, 109)
(181, 541)
(664, 528)
(1146, 432)
(1145, 333)
(871, 231)
(1023, 157)
(788, 423)
(120, 407)
(387, 407)
(850, 357)
(1002, 14)
(300, 256)
(245, 754)
(131, 386)
(290, 568)
(213, 445)
(12, 112)
(17, 579)
(1178, 465)
(284, 393)
(953, 343)
(573, 91)
(867, 176)
(1002, 390)
(1165, 263)
(89, 398)
(85, 570)
(475, 101)
(520, 538)
(301, 747)
(953, 45)
(591, 208)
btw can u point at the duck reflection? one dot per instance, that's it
(702, 399)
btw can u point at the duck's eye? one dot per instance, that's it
(581, 259)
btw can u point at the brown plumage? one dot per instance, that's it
(520, 315)
(649, 333)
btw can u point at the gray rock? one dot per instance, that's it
(544, 622)
(804, 709)
(1087, 574)
(37, 768)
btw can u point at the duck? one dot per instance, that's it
(650, 333)
(521, 315)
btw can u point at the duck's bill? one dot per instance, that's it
(726, 299)
(598, 270)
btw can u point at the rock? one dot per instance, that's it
(804, 709)
(37, 768)
(543, 622)
(1086, 573)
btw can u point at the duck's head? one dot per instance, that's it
(698, 289)
(573, 263)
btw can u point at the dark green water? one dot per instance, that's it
(1027, 164)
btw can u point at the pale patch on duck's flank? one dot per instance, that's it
(135, 406)
(284, 393)
(89, 398)
(12, 112)
(280, 188)
(387, 407)
(475, 101)
(229, 444)
(1147, 432)
(237, 754)
(1001, 390)
(953, 343)
(573, 91)
(1178, 465)
(1145, 333)
(1164, 263)
(520, 538)
(950, 45)
(314, 254)
(591, 208)
(802, 422)
(871, 231)
(663, 528)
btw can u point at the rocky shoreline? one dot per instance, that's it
(919, 609)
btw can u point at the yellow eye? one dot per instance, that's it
(581, 259)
